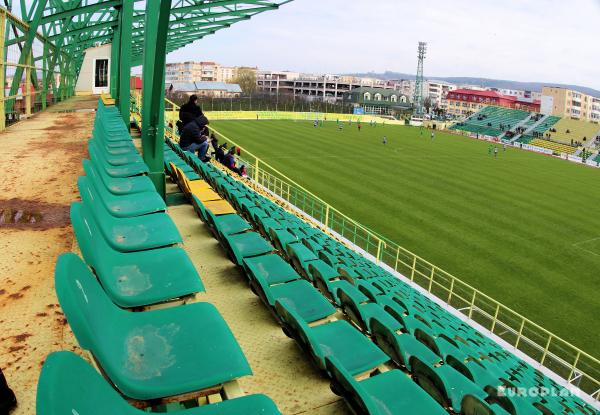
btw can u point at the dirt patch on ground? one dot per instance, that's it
(29, 214)
(67, 122)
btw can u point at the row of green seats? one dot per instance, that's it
(304, 313)
(149, 354)
(458, 366)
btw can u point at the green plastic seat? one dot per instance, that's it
(126, 206)
(281, 238)
(246, 245)
(361, 310)
(319, 269)
(134, 279)
(387, 393)
(115, 159)
(340, 339)
(445, 384)
(69, 385)
(471, 405)
(402, 347)
(274, 279)
(130, 234)
(300, 257)
(153, 354)
(120, 186)
(271, 268)
(227, 224)
(302, 297)
(127, 170)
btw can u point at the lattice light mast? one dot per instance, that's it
(418, 97)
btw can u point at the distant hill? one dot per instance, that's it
(484, 82)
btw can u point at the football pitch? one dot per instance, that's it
(521, 227)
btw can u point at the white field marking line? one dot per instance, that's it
(586, 241)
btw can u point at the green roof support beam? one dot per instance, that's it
(124, 92)
(153, 90)
(26, 50)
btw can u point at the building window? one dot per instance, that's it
(403, 99)
(377, 97)
(394, 98)
(367, 96)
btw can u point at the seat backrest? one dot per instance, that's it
(86, 233)
(350, 387)
(300, 330)
(87, 308)
(70, 386)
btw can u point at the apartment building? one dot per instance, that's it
(201, 72)
(330, 88)
(564, 102)
(463, 102)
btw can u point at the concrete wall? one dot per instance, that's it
(85, 81)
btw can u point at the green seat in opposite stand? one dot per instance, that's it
(152, 354)
(69, 385)
(134, 279)
(387, 393)
(129, 234)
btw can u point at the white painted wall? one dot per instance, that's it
(547, 105)
(85, 81)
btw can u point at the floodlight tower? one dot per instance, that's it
(418, 97)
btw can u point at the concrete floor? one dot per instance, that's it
(281, 369)
(40, 160)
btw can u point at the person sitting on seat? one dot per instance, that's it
(193, 140)
(230, 162)
(220, 152)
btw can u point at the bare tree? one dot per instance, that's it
(246, 79)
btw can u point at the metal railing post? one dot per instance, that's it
(546, 349)
(2, 69)
(520, 333)
(256, 164)
(472, 304)
(326, 216)
(431, 279)
(495, 317)
(414, 268)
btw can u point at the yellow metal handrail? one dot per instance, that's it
(577, 367)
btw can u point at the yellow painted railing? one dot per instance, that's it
(577, 367)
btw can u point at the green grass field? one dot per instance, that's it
(523, 227)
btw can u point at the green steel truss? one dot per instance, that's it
(51, 36)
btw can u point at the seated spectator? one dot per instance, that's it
(8, 401)
(230, 162)
(193, 140)
(220, 152)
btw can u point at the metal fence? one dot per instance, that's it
(564, 359)
(32, 81)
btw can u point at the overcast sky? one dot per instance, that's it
(522, 40)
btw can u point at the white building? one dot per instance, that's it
(94, 76)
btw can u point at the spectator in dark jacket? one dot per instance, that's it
(193, 140)
(188, 112)
(230, 163)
